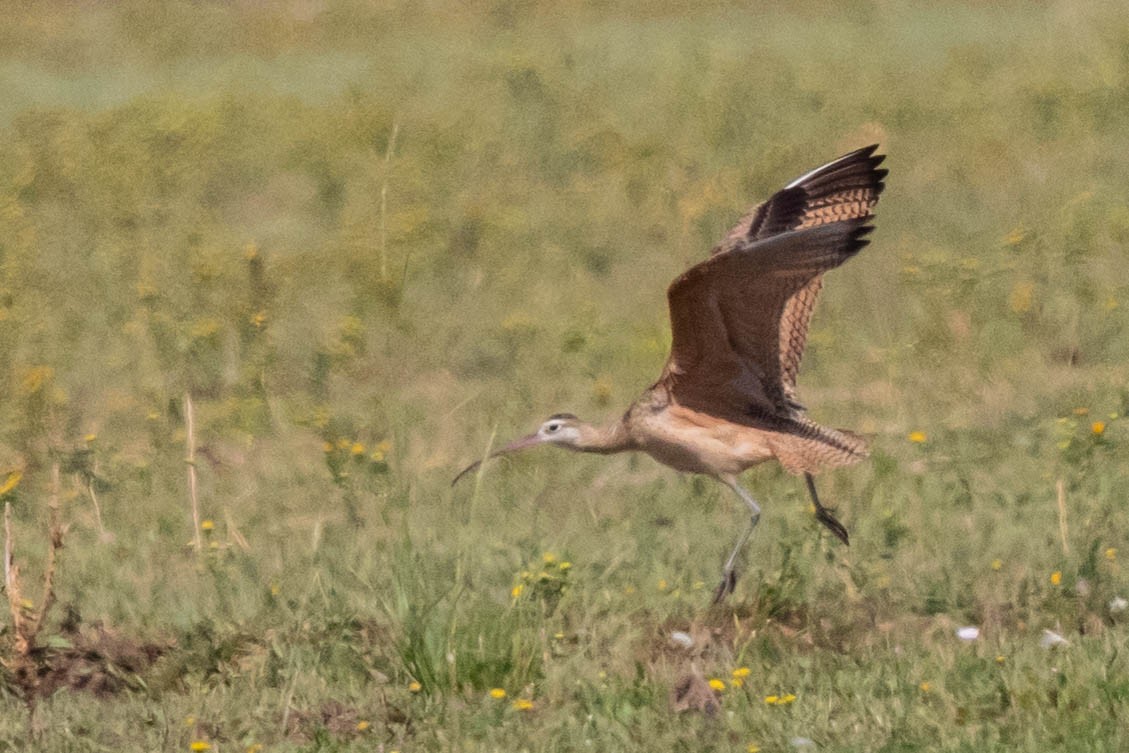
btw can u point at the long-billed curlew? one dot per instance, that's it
(726, 399)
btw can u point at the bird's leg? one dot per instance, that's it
(823, 515)
(729, 573)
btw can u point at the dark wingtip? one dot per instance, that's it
(857, 240)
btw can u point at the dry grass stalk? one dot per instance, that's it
(1060, 489)
(190, 459)
(233, 533)
(27, 622)
(97, 507)
(384, 204)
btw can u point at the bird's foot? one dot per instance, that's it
(728, 583)
(824, 516)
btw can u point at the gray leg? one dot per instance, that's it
(729, 573)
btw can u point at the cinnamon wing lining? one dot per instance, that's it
(726, 315)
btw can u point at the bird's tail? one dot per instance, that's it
(811, 448)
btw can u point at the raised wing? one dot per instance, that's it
(726, 317)
(843, 189)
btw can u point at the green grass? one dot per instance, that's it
(419, 231)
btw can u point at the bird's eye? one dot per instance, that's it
(552, 427)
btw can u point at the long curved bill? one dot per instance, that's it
(518, 444)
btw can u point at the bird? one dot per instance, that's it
(726, 399)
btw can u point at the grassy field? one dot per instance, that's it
(369, 241)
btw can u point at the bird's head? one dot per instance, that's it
(560, 429)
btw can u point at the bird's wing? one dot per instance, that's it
(726, 315)
(844, 189)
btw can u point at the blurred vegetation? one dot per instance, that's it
(371, 238)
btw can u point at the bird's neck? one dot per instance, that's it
(604, 440)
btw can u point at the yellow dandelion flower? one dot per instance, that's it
(200, 745)
(497, 693)
(515, 592)
(548, 558)
(1097, 428)
(362, 725)
(1000, 659)
(997, 564)
(11, 482)
(357, 449)
(737, 682)
(716, 684)
(255, 748)
(917, 437)
(566, 565)
(189, 721)
(414, 686)
(780, 700)
(523, 704)
(89, 438)
(1111, 553)
(259, 319)
(558, 636)
(327, 447)
(925, 687)
(207, 525)
(742, 672)
(1056, 578)
(662, 584)
(752, 748)
(275, 590)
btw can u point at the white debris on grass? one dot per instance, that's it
(1118, 604)
(968, 633)
(681, 638)
(802, 742)
(1051, 639)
